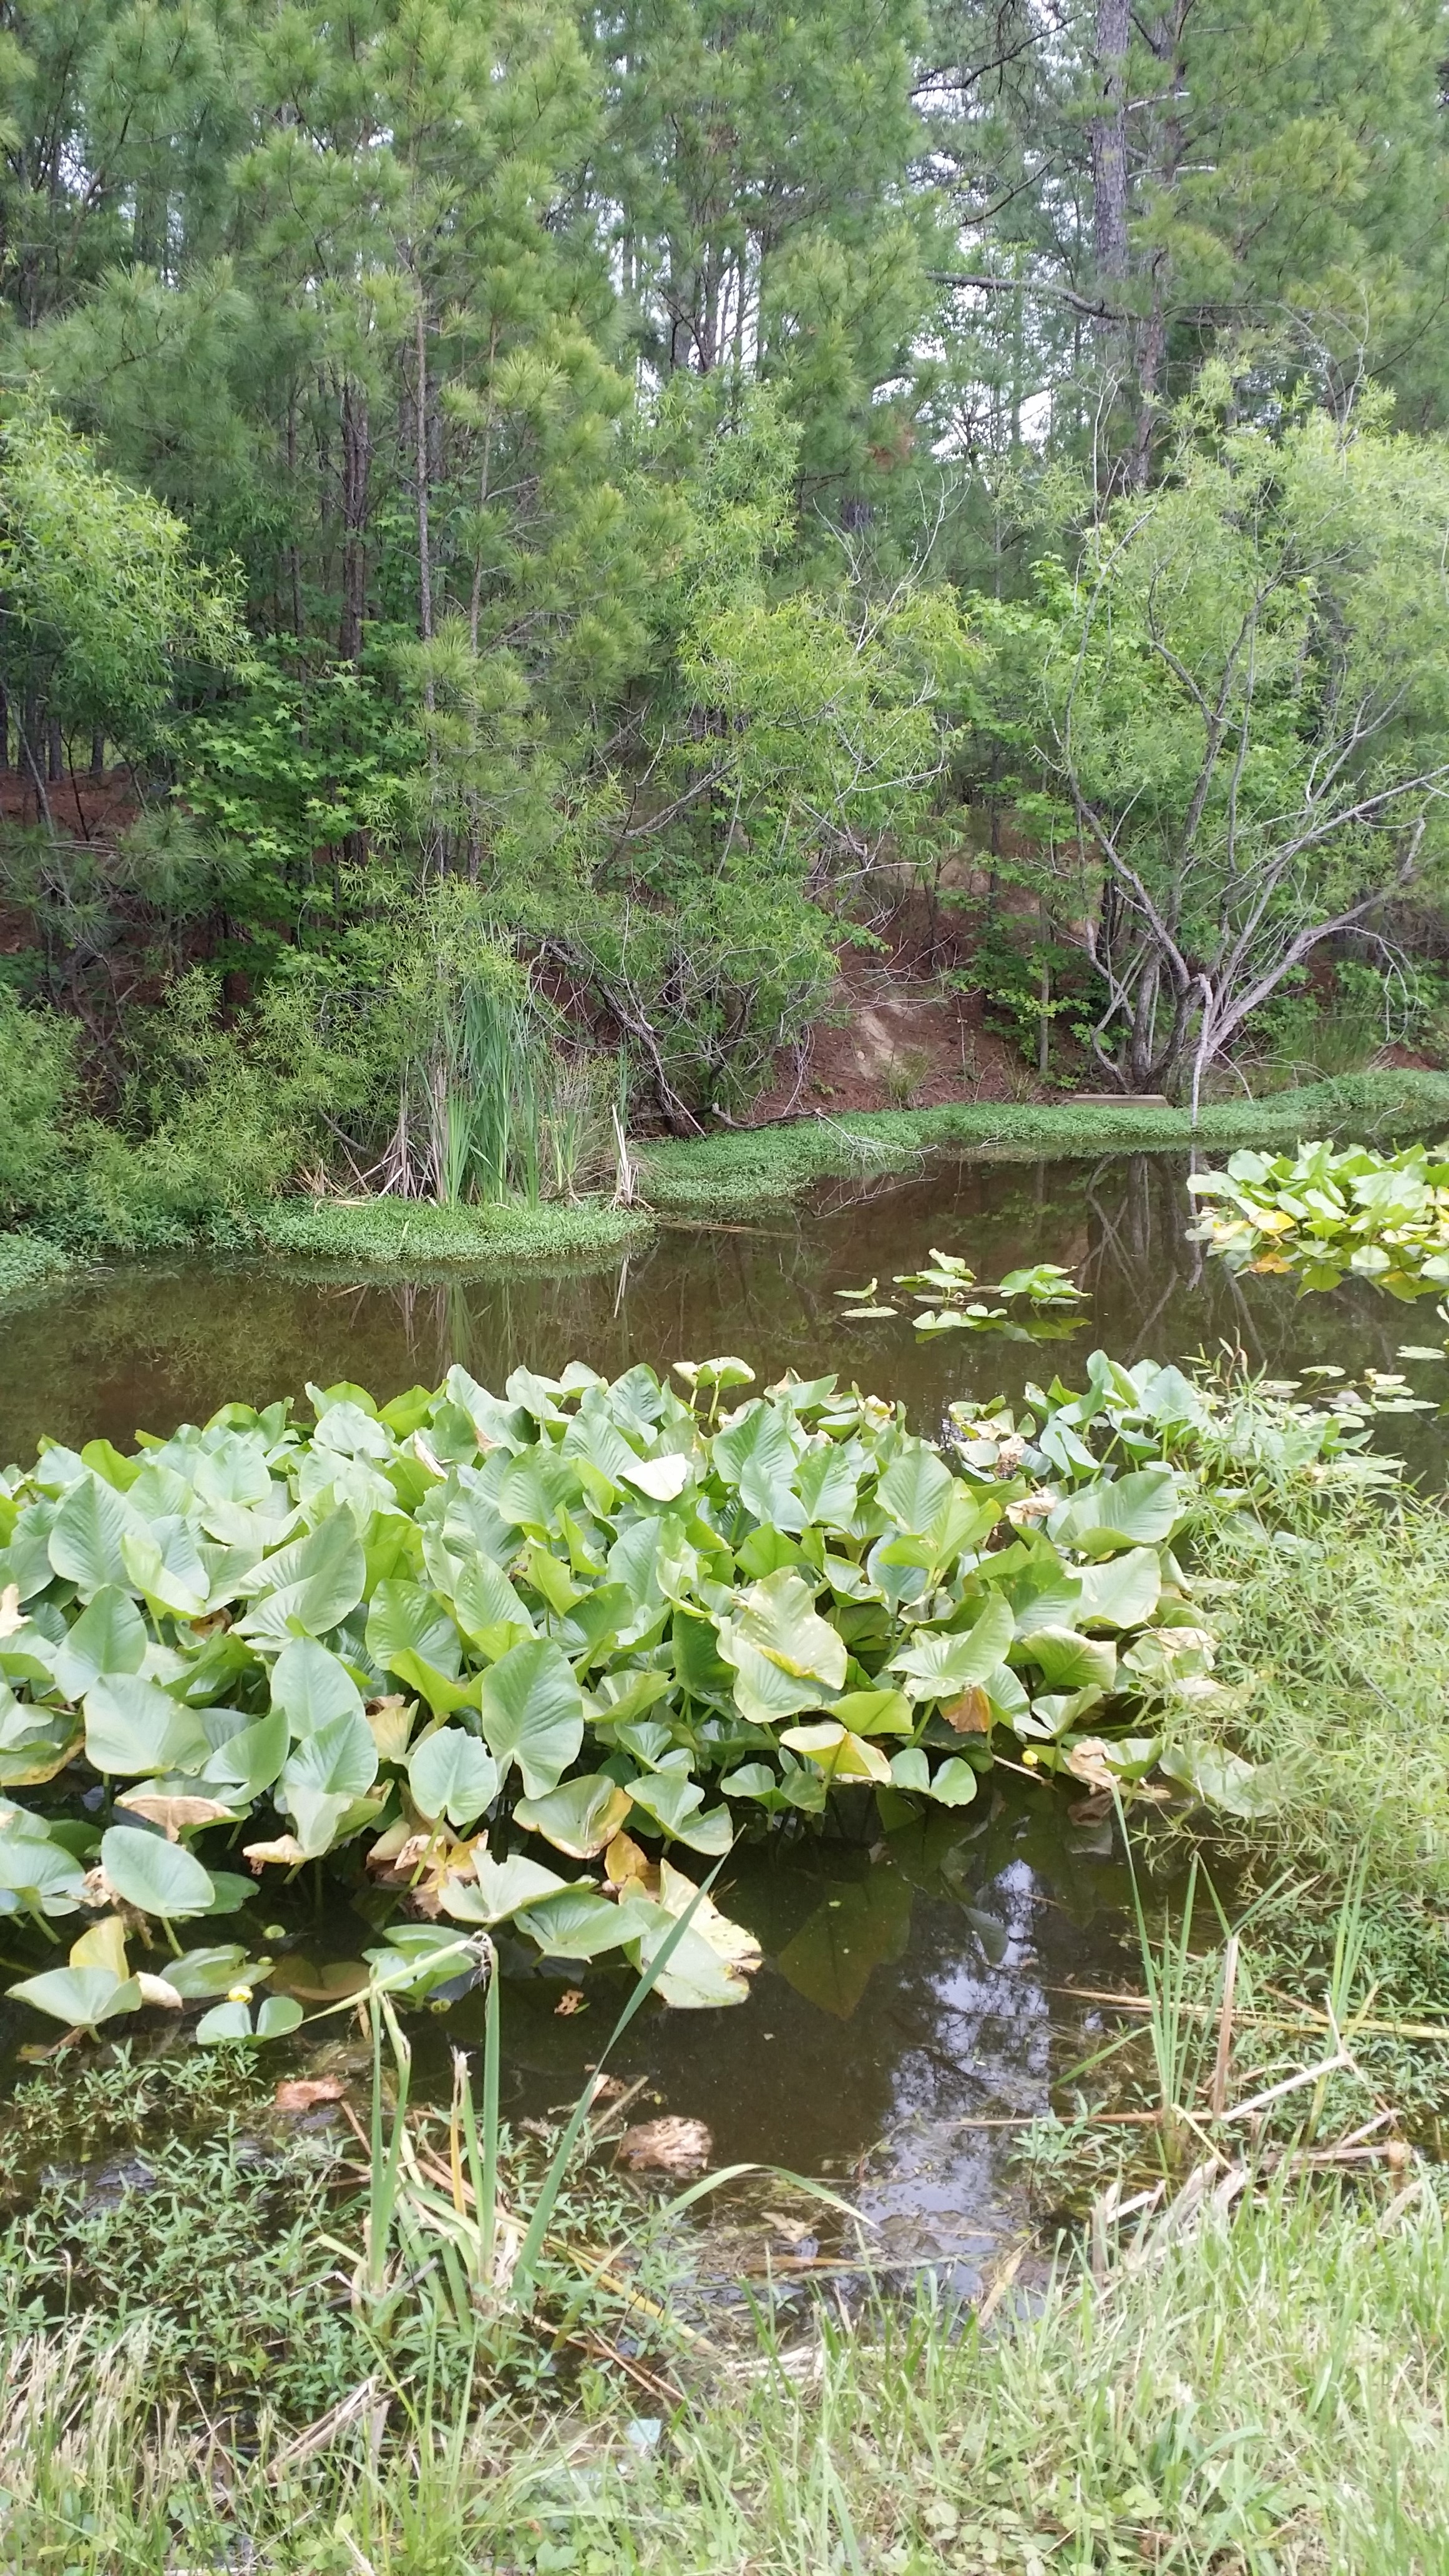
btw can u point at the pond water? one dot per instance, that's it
(912, 1984)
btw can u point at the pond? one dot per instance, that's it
(914, 1990)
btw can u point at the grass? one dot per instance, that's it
(396, 1232)
(1265, 2395)
(1336, 1632)
(740, 1166)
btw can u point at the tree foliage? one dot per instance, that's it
(600, 457)
(1246, 693)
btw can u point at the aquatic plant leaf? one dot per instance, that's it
(163, 1563)
(777, 1618)
(1121, 1591)
(662, 1478)
(499, 1889)
(108, 1637)
(670, 1797)
(491, 1613)
(225, 2021)
(102, 1945)
(310, 1585)
(277, 2016)
(874, 1712)
(838, 1753)
(1068, 1661)
(578, 1924)
(210, 1972)
(580, 1817)
(175, 1813)
(251, 1759)
(85, 1537)
(408, 1620)
(1140, 1509)
(451, 1774)
(156, 1876)
(914, 1488)
(711, 1833)
(752, 1780)
(134, 1726)
(532, 1712)
(954, 1782)
(757, 1454)
(322, 1776)
(938, 1664)
(310, 1685)
(1220, 1779)
(696, 1978)
(35, 1743)
(36, 1871)
(82, 1998)
(726, 1372)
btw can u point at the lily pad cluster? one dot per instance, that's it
(513, 1658)
(952, 1300)
(1321, 1215)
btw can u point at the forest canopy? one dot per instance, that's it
(527, 535)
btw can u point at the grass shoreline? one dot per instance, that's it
(733, 1170)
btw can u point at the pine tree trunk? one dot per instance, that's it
(356, 461)
(1109, 166)
(425, 564)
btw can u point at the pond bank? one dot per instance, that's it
(733, 1172)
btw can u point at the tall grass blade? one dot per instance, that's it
(487, 2203)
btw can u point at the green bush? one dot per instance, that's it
(38, 1087)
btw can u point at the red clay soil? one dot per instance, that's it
(90, 809)
(890, 1042)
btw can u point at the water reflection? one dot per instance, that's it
(151, 1345)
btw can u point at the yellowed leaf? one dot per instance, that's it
(284, 1853)
(627, 1865)
(728, 1940)
(175, 1815)
(971, 1713)
(102, 1945)
(384, 1851)
(391, 1721)
(159, 1990)
(18, 1772)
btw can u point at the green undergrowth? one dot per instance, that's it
(1263, 2395)
(396, 1233)
(29, 1261)
(740, 1166)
